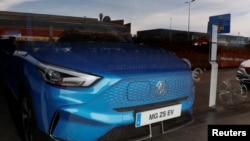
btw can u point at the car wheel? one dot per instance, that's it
(231, 94)
(30, 131)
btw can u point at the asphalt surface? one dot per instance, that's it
(196, 131)
(8, 130)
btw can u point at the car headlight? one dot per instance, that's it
(65, 77)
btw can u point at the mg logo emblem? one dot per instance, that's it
(160, 89)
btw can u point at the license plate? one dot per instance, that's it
(157, 115)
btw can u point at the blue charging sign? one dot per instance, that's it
(222, 21)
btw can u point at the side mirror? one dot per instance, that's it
(7, 45)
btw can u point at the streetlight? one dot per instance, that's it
(170, 23)
(189, 14)
(170, 28)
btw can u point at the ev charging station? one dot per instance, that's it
(217, 24)
(214, 67)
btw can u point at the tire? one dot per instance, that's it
(29, 131)
(231, 94)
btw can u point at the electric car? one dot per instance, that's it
(96, 90)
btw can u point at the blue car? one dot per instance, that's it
(96, 91)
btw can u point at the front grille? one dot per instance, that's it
(129, 132)
(247, 71)
(140, 91)
(243, 77)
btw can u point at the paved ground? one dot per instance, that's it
(8, 131)
(196, 131)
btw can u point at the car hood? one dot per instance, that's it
(99, 58)
(245, 64)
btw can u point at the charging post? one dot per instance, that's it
(214, 67)
(217, 24)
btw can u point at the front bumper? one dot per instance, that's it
(81, 122)
(129, 132)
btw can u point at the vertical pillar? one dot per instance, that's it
(214, 67)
